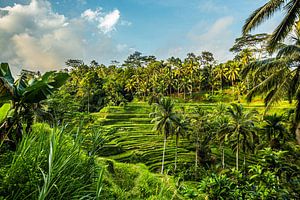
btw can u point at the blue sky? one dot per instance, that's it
(43, 34)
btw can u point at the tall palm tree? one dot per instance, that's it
(221, 121)
(165, 119)
(281, 77)
(232, 73)
(242, 129)
(181, 128)
(291, 9)
(219, 72)
(202, 135)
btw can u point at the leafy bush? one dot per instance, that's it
(217, 187)
(271, 178)
(49, 164)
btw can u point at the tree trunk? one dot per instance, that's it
(223, 162)
(163, 157)
(196, 156)
(244, 151)
(248, 84)
(221, 85)
(233, 89)
(88, 104)
(244, 161)
(176, 154)
(191, 88)
(237, 152)
(184, 92)
(298, 133)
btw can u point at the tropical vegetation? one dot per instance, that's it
(190, 128)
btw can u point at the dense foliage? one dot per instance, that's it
(107, 130)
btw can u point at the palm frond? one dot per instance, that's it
(261, 14)
(297, 110)
(286, 24)
(272, 64)
(288, 50)
(294, 84)
(278, 94)
(268, 84)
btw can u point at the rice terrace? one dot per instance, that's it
(154, 100)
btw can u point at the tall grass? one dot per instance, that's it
(50, 164)
(62, 164)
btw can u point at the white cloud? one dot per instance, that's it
(33, 36)
(215, 37)
(109, 21)
(125, 23)
(218, 38)
(90, 15)
(210, 6)
(106, 22)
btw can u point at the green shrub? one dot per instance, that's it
(49, 164)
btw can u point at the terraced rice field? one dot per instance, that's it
(134, 141)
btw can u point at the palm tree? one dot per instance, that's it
(191, 63)
(202, 135)
(220, 71)
(274, 129)
(221, 121)
(291, 9)
(223, 129)
(181, 128)
(281, 77)
(245, 57)
(165, 120)
(233, 71)
(242, 129)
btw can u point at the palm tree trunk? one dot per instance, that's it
(244, 151)
(244, 161)
(232, 87)
(237, 152)
(298, 133)
(184, 92)
(163, 157)
(196, 161)
(176, 154)
(221, 85)
(191, 87)
(88, 104)
(199, 87)
(223, 162)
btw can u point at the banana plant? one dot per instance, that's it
(25, 94)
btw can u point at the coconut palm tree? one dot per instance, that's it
(280, 77)
(182, 126)
(242, 129)
(291, 9)
(220, 71)
(221, 121)
(233, 71)
(202, 135)
(165, 120)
